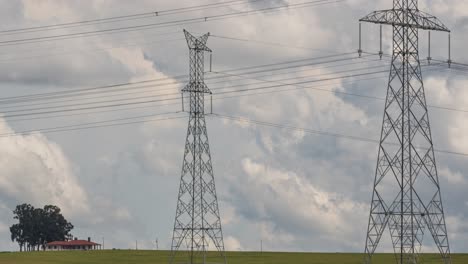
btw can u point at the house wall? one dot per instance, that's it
(61, 248)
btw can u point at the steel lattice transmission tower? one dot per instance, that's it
(406, 196)
(197, 226)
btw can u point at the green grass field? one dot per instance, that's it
(161, 257)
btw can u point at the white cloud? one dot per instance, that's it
(298, 191)
(285, 194)
(35, 170)
(455, 178)
(48, 11)
(453, 94)
(274, 236)
(4, 228)
(229, 215)
(232, 244)
(457, 227)
(122, 214)
(133, 59)
(450, 9)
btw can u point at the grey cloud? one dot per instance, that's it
(137, 168)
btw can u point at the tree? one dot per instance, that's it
(36, 226)
(22, 231)
(17, 235)
(54, 226)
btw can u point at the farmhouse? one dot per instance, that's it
(72, 245)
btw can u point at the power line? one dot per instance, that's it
(101, 124)
(167, 40)
(152, 14)
(246, 75)
(56, 109)
(269, 43)
(216, 98)
(70, 52)
(438, 60)
(90, 125)
(317, 132)
(30, 97)
(308, 48)
(80, 91)
(294, 61)
(41, 110)
(124, 17)
(96, 47)
(178, 104)
(349, 94)
(27, 99)
(89, 113)
(176, 77)
(80, 109)
(73, 91)
(304, 82)
(170, 23)
(156, 100)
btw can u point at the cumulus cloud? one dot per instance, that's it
(37, 171)
(48, 11)
(453, 177)
(294, 190)
(232, 244)
(122, 214)
(134, 60)
(3, 228)
(290, 207)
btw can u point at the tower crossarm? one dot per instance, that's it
(197, 47)
(195, 43)
(416, 19)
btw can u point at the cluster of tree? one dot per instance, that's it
(38, 226)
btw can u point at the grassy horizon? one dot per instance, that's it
(162, 257)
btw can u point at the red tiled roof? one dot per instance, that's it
(72, 243)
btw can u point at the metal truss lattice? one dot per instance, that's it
(197, 227)
(406, 195)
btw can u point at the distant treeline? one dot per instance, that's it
(38, 226)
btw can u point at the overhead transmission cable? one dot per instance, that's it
(71, 52)
(176, 98)
(161, 95)
(101, 124)
(27, 99)
(146, 95)
(270, 43)
(281, 84)
(129, 17)
(90, 125)
(215, 98)
(176, 77)
(314, 131)
(123, 41)
(56, 109)
(352, 94)
(282, 45)
(170, 23)
(143, 107)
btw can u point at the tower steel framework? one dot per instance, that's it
(406, 152)
(197, 227)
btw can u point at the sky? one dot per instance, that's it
(294, 191)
